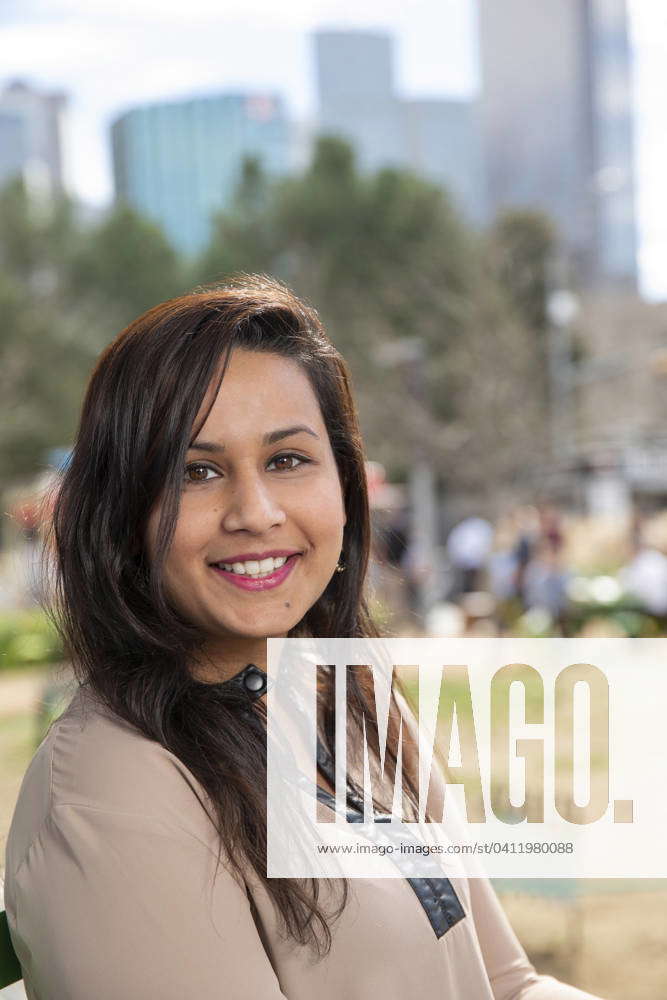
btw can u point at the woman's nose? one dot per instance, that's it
(252, 507)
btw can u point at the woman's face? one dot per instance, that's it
(260, 524)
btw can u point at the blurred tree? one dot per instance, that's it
(520, 251)
(437, 322)
(384, 257)
(242, 238)
(65, 291)
(42, 354)
(523, 243)
(125, 265)
(441, 352)
(497, 442)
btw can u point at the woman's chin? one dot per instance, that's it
(262, 630)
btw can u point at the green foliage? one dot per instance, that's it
(523, 244)
(65, 291)
(27, 638)
(242, 238)
(126, 265)
(384, 257)
(42, 355)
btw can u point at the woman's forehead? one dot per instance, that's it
(257, 390)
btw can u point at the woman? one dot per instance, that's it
(215, 497)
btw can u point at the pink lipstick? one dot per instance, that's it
(259, 583)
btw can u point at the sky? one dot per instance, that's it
(111, 54)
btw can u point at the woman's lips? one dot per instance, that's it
(259, 583)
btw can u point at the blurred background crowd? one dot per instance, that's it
(480, 252)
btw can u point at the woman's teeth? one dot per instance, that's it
(253, 568)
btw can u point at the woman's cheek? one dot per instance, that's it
(329, 502)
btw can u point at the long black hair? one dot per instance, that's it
(126, 642)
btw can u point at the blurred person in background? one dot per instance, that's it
(545, 583)
(527, 540)
(645, 575)
(545, 579)
(468, 547)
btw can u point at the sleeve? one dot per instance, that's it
(510, 973)
(111, 905)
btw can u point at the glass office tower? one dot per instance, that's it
(179, 162)
(557, 125)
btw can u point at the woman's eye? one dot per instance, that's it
(285, 463)
(198, 473)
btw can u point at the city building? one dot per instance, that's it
(31, 136)
(557, 125)
(442, 143)
(180, 162)
(356, 95)
(357, 99)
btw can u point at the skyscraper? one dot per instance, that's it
(30, 135)
(179, 162)
(557, 121)
(355, 85)
(437, 138)
(442, 143)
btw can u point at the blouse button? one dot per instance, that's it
(254, 681)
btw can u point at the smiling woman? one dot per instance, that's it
(216, 496)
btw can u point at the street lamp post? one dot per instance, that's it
(409, 354)
(562, 309)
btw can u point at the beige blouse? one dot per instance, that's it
(110, 896)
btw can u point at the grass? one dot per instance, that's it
(27, 638)
(611, 943)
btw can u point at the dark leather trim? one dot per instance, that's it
(440, 902)
(437, 896)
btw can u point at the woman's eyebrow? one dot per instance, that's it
(269, 438)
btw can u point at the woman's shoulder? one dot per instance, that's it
(91, 759)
